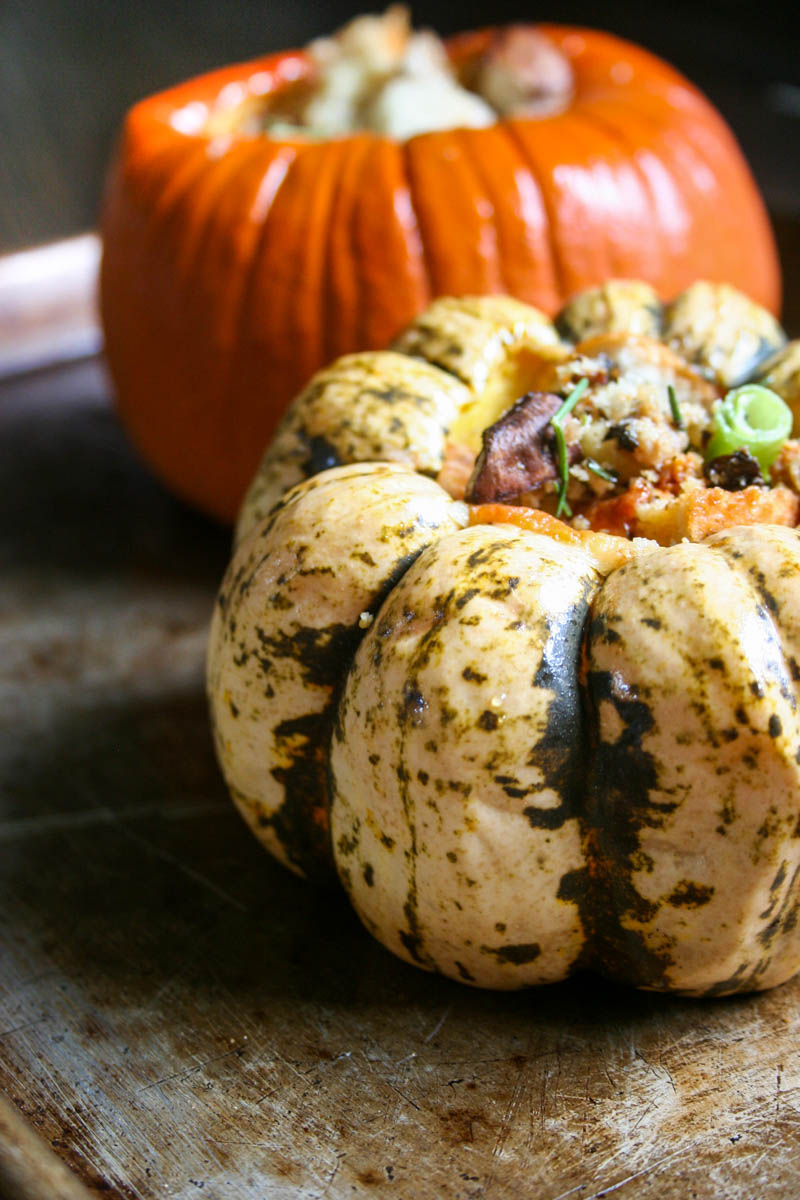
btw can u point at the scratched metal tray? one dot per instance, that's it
(180, 1017)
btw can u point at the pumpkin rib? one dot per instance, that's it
(599, 250)
(648, 169)
(477, 152)
(243, 435)
(174, 193)
(517, 131)
(280, 166)
(652, 147)
(395, 285)
(284, 316)
(168, 185)
(209, 427)
(308, 338)
(143, 397)
(443, 185)
(193, 207)
(270, 179)
(205, 207)
(166, 176)
(730, 174)
(594, 56)
(538, 282)
(340, 291)
(246, 375)
(206, 311)
(482, 203)
(256, 338)
(617, 134)
(410, 176)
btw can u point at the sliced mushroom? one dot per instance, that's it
(523, 73)
(517, 454)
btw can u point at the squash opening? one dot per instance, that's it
(525, 369)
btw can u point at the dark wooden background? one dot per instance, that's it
(70, 68)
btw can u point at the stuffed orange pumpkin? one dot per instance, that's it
(241, 256)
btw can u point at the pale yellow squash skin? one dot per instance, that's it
(781, 372)
(721, 329)
(343, 414)
(451, 830)
(523, 755)
(694, 793)
(449, 375)
(619, 306)
(294, 603)
(476, 337)
(664, 843)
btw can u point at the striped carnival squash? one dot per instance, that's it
(529, 744)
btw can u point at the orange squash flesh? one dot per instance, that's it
(235, 264)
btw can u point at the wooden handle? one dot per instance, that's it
(29, 1170)
(48, 310)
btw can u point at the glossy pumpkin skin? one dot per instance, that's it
(235, 266)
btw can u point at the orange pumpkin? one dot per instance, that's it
(235, 264)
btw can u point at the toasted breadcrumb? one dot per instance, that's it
(377, 73)
(786, 468)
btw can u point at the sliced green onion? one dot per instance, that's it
(603, 472)
(674, 409)
(751, 417)
(561, 445)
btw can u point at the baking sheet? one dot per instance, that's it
(180, 1017)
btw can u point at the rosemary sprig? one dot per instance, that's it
(674, 409)
(561, 445)
(603, 472)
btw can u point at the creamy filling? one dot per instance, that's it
(378, 74)
(647, 443)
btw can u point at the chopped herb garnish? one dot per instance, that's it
(603, 472)
(674, 409)
(561, 445)
(754, 417)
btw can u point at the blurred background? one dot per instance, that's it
(70, 68)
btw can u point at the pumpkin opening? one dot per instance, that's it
(378, 74)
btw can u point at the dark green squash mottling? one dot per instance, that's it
(622, 775)
(301, 823)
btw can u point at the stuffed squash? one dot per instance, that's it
(510, 642)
